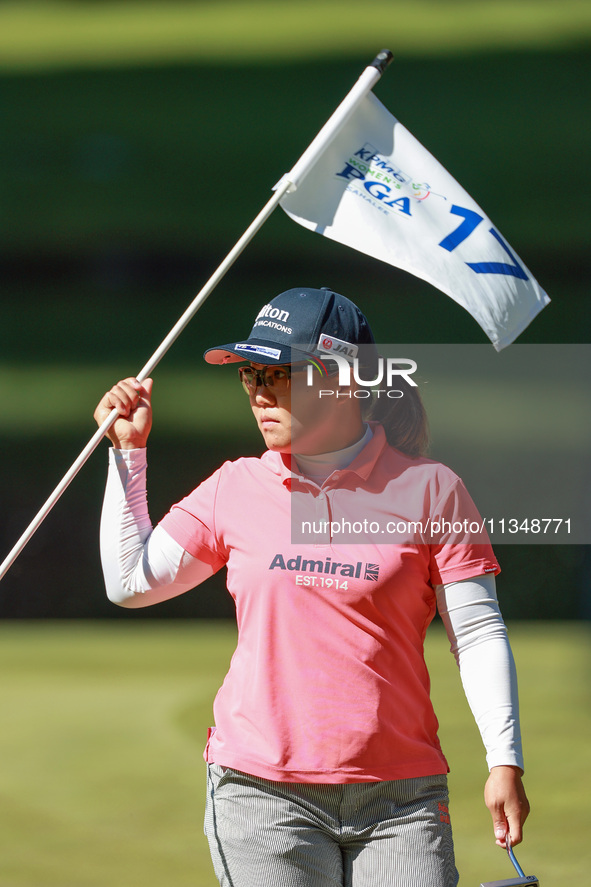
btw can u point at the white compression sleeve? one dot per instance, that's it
(479, 642)
(141, 566)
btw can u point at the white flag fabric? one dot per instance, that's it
(378, 190)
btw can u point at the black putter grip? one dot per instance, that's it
(382, 60)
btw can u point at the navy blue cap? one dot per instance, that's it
(298, 324)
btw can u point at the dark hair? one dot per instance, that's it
(404, 418)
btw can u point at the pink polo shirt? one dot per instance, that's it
(328, 682)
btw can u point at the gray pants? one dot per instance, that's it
(285, 834)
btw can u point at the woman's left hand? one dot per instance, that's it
(505, 797)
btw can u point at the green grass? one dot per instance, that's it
(104, 724)
(37, 35)
(102, 783)
(553, 667)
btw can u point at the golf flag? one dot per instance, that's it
(377, 189)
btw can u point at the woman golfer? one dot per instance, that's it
(324, 766)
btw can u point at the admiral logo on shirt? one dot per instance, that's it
(328, 565)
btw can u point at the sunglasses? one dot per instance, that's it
(278, 379)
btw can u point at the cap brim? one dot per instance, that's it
(255, 350)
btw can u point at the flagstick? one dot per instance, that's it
(143, 374)
(288, 183)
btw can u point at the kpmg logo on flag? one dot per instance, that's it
(369, 160)
(381, 181)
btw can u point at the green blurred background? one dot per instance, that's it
(137, 142)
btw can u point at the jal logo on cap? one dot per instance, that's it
(337, 346)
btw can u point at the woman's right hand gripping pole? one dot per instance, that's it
(132, 400)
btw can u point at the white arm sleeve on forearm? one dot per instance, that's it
(479, 642)
(141, 566)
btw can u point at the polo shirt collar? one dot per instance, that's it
(363, 464)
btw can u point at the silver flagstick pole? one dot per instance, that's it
(288, 183)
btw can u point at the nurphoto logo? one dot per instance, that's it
(351, 372)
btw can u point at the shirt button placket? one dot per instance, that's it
(323, 537)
